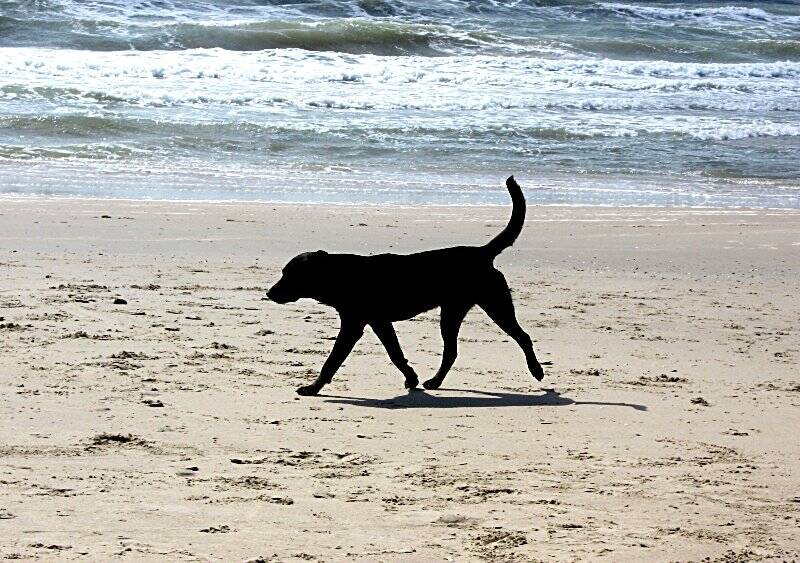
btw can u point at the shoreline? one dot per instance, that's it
(359, 205)
(376, 186)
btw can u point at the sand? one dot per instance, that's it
(167, 428)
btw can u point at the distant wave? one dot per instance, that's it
(348, 36)
(700, 14)
(407, 27)
(156, 12)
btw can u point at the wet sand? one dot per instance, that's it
(167, 427)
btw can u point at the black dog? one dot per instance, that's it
(378, 290)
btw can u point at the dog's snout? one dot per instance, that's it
(277, 294)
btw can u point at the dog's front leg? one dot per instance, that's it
(349, 333)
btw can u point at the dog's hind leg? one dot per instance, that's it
(452, 317)
(349, 333)
(496, 301)
(386, 334)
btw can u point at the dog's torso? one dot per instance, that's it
(395, 287)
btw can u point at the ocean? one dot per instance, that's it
(402, 101)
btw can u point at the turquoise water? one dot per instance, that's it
(610, 103)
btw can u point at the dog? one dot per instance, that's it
(380, 289)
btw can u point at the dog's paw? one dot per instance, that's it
(411, 383)
(432, 384)
(307, 390)
(537, 372)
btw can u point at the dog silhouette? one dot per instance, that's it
(380, 289)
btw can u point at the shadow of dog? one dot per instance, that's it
(418, 399)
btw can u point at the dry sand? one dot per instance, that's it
(167, 428)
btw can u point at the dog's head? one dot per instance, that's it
(301, 276)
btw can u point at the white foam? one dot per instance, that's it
(579, 97)
(205, 66)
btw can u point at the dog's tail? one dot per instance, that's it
(508, 235)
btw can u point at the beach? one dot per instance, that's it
(167, 427)
(160, 162)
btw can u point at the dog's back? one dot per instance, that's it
(399, 286)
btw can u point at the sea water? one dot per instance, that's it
(402, 101)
